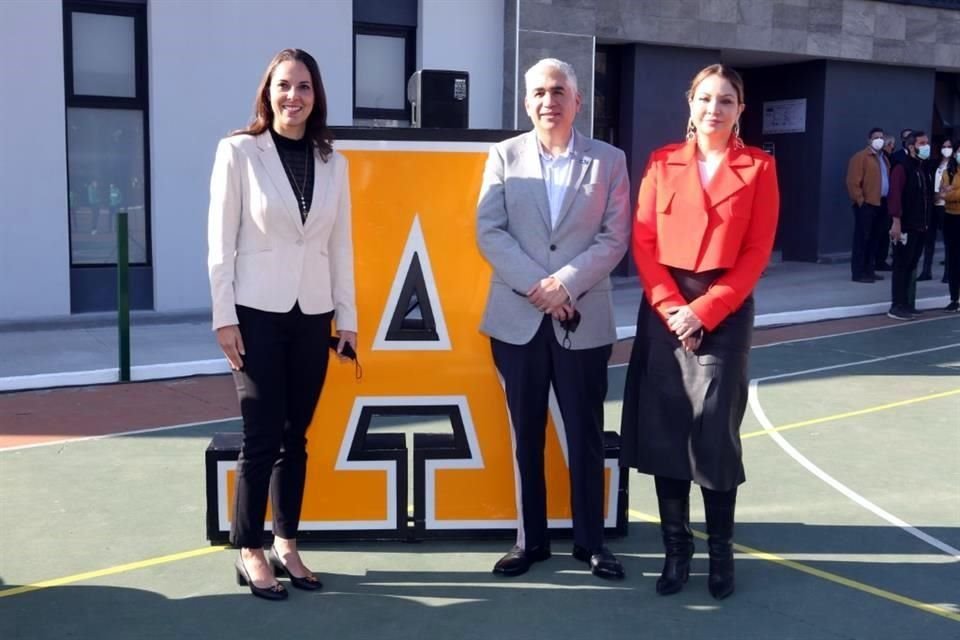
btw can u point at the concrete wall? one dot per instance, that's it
(841, 95)
(855, 30)
(226, 48)
(653, 105)
(545, 30)
(34, 242)
(847, 118)
(478, 50)
(798, 155)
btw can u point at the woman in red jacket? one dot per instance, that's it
(704, 229)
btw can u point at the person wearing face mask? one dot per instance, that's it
(937, 177)
(950, 191)
(911, 207)
(868, 183)
(889, 144)
(901, 154)
(704, 227)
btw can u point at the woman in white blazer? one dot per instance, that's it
(281, 271)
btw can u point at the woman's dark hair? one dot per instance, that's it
(317, 129)
(952, 160)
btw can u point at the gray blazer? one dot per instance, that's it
(515, 236)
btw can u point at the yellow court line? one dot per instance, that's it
(850, 414)
(825, 575)
(109, 571)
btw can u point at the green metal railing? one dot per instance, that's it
(123, 294)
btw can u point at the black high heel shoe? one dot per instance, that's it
(307, 583)
(273, 592)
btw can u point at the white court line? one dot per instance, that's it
(214, 366)
(119, 434)
(855, 331)
(844, 365)
(805, 316)
(828, 335)
(757, 409)
(615, 366)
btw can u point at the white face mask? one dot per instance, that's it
(947, 152)
(877, 144)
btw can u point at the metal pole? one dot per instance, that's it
(123, 295)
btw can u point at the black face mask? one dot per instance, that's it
(570, 326)
(347, 352)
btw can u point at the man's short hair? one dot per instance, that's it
(551, 63)
(873, 131)
(904, 133)
(911, 140)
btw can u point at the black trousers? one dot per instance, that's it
(930, 241)
(880, 233)
(951, 242)
(905, 260)
(279, 385)
(863, 252)
(579, 378)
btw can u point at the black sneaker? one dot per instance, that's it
(914, 312)
(899, 313)
(953, 307)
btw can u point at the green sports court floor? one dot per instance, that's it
(848, 526)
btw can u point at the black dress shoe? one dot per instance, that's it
(866, 279)
(876, 277)
(883, 267)
(308, 582)
(273, 592)
(926, 275)
(517, 561)
(603, 563)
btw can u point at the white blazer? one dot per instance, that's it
(260, 253)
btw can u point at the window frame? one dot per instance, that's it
(409, 35)
(140, 102)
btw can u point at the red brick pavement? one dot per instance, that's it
(50, 415)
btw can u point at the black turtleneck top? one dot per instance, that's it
(297, 161)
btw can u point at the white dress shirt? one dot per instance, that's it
(557, 174)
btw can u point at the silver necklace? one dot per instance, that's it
(301, 191)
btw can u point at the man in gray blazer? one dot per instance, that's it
(553, 221)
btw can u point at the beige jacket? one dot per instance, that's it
(260, 253)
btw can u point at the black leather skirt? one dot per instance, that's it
(682, 411)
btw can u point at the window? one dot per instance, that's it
(383, 61)
(106, 94)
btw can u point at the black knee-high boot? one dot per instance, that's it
(720, 507)
(673, 498)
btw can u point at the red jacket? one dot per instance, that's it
(729, 224)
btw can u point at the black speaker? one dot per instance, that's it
(440, 99)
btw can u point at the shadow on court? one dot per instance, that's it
(557, 599)
(875, 410)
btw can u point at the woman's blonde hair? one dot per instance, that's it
(724, 72)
